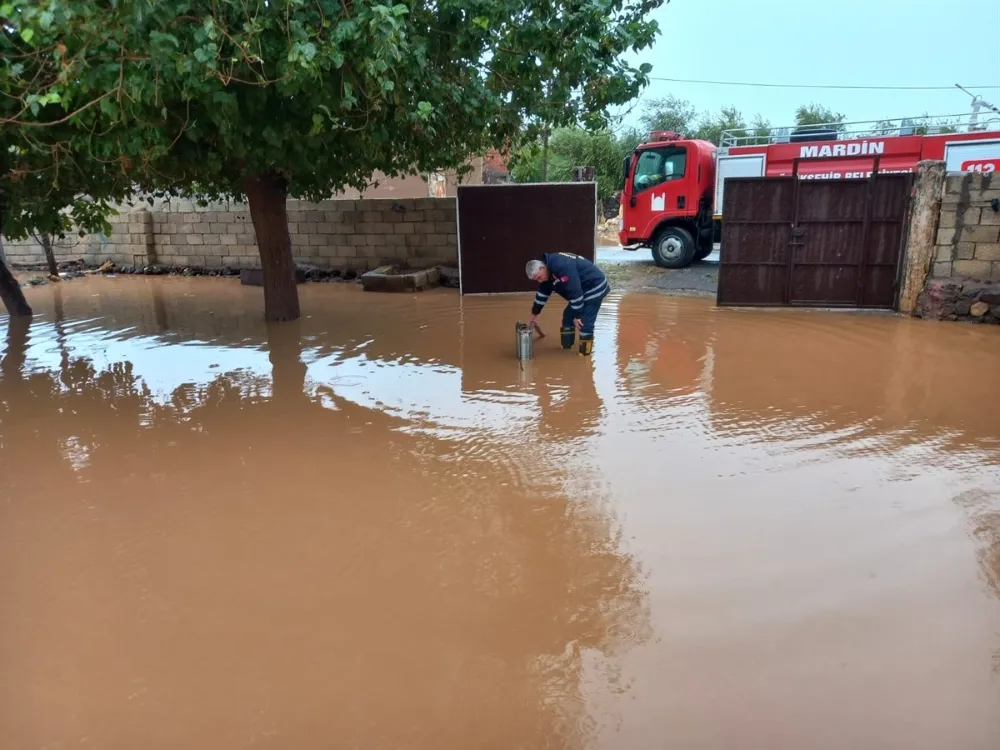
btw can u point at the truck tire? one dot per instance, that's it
(673, 247)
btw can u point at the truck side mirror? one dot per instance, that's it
(626, 166)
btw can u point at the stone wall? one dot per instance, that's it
(360, 233)
(964, 280)
(968, 238)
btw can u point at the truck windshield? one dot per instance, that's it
(658, 165)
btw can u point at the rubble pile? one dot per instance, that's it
(71, 269)
(956, 299)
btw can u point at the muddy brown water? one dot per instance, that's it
(372, 529)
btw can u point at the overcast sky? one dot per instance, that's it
(838, 42)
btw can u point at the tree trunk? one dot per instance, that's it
(545, 154)
(12, 295)
(266, 194)
(45, 241)
(10, 290)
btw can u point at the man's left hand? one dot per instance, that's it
(578, 323)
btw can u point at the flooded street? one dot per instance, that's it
(372, 529)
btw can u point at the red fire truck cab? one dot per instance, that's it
(674, 188)
(667, 201)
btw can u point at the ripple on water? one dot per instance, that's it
(735, 509)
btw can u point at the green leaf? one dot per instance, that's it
(209, 27)
(481, 21)
(45, 19)
(388, 85)
(163, 39)
(317, 125)
(271, 137)
(109, 108)
(206, 53)
(28, 34)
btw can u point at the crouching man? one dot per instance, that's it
(581, 283)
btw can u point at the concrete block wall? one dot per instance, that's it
(359, 233)
(131, 238)
(968, 235)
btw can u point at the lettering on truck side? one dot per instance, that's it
(845, 175)
(865, 148)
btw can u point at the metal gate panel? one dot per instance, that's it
(502, 227)
(886, 233)
(758, 229)
(829, 243)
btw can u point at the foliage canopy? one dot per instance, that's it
(202, 93)
(269, 98)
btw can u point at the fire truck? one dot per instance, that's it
(674, 187)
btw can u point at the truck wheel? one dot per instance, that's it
(673, 247)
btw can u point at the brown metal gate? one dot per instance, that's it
(502, 227)
(820, 243)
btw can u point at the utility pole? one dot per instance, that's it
(977, 103)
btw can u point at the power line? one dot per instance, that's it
(814, 86)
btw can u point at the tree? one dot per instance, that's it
(885, 127)
(266, 99)
(761, 129)
(628, 138)
(50, 180)
(573, 147)
(42, 193)
(669, 113)
(927, 125)
(680, 116)
(711, 127)
(817, 114)
(45, 240)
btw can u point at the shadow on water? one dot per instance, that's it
(253, 555)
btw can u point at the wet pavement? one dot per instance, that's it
(632, 270)
(371, 528)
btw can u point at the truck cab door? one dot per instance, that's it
(660, 188)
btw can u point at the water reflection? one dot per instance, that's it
(371, 528)
(799, 469)
(272, 559)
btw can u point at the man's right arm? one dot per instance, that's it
(541, 297)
